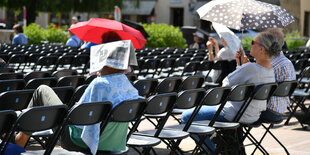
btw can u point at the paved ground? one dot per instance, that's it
(292, 136)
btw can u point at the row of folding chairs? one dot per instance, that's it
(40, 62)
(195, 98)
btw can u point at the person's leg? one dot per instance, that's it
(42, 96)
(205, 113)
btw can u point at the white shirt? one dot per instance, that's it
(246, 74)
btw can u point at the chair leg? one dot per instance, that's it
(248, 135)
(274, 137)
(298, 103)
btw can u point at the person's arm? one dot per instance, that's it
(210, 49)
(241, 57)
(240, 76)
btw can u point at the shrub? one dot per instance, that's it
(246, 43)
(292, 40)
(56, 35)
(163, 35)
(35, 33)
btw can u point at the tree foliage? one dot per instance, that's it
(57, 6)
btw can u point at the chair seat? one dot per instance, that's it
(165, 134)
(178, 111)
(305, 80)
(300, 92)
(219, 125)
(155, 115)
(140, 141)
(194, 129)
(55, 152)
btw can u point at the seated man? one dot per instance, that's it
(112, 85)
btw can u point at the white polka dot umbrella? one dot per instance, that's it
(245, 14)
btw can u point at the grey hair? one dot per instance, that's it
(278, 33)
(270, 43)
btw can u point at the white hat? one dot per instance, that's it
(74, 18)
(198, 34)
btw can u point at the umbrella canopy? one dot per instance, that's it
(245, 14)
(93, 30)
(232, 41)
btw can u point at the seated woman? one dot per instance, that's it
(264, 47)
(112, 85)
(224, 54)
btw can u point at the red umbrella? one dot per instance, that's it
(93, 29)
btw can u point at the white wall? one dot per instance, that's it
(304, 7)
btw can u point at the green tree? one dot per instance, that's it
(56, 6)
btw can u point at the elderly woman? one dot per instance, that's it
(110, 85)
(264, 47)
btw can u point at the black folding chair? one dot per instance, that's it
(16, 100)
(169, 84)
(62, 73)
(8, 85)
(36, 74)
(284, 89)
(128, 111)
(81, 114)
(192, 82)
(36, 82)
(300, 95)
(47, 62)
(261, 92)
(73, 81)
(146, 87)
(78, 92)
(64, 93)
(89, 79)
(7, 119)
(10, 76)
(44, 118)
(159, 107)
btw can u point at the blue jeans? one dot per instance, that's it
(205, 113)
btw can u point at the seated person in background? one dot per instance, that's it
(74, 41)
(198, 41)
(224, 54)
(112, 85)
(264, 47)
(87, 45)
(2, 63)
(19, 38)
(284, 71)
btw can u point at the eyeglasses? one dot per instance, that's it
(257, 43)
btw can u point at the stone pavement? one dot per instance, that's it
(296, 140)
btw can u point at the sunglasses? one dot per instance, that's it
(257, 43)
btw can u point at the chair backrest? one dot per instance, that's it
(161, 104)
(6, 70)
(213, 97)
(46, 61)
(36, 82)
(15, 100)
(62, 73)
(78, 92)
(260, 92)
(7, 119)
(64, 93)
(41, 118)
(72, 81)
(285, 88)
(169, 84)
(8, 85)
(36, 74)
(89, 79)
(127, 111)
(192, 82)
(146, 87)
(189, 98)
(10, 76)
(190, 67)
